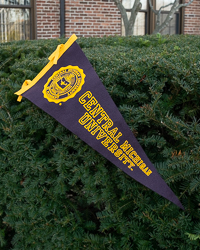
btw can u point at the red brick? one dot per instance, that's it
(77, 14)
(192, 20)
(95, 18)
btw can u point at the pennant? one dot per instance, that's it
(69, 90)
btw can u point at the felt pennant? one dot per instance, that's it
(69, 90)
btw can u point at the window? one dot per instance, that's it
(173, 27)
(146, 19)
(16, 20)
(140, 22)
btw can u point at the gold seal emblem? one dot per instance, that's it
(64, 84)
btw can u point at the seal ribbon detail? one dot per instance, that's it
(64, 84)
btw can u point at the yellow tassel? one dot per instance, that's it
(56, 54)
(23, 89)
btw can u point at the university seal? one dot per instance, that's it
(64, 84)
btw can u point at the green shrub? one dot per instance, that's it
(58, 193)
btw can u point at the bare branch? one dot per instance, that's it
(174, 7)
(151, 6)
(122, 11)
(129, 24)
(134, 11)
(162, 7)
(186, 4)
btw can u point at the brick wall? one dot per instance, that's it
(82, 17)
(48, 19)
(192, 18)
(92, 18)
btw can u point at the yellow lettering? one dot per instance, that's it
(113, 148)
(124, 156)
(136, 159)
(86, 94)
(85, 118)
(107, 125)
(101, 134)
(131, 165)
(125, 146)
(148, 172)
(145, 170)
(91, 125)
(112, 134)
(126, 152)
(95, 130)
(129, 150)
(104, 116)
(96, 111)
(107, 141)
(142, 166)
(139, 163)
(117, 137)
(118, 153)
(131, 154)
(91, 102)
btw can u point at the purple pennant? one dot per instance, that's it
(71, 92)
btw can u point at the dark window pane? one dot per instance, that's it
(14, 24)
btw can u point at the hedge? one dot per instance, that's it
(58, 193)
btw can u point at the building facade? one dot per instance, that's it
(84, 18)
(46, 19)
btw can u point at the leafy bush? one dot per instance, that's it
(58, 193)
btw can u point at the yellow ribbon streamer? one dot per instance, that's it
(53, 60)
(25, 87)
(56, 54)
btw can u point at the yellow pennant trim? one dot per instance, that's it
(53, 60)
